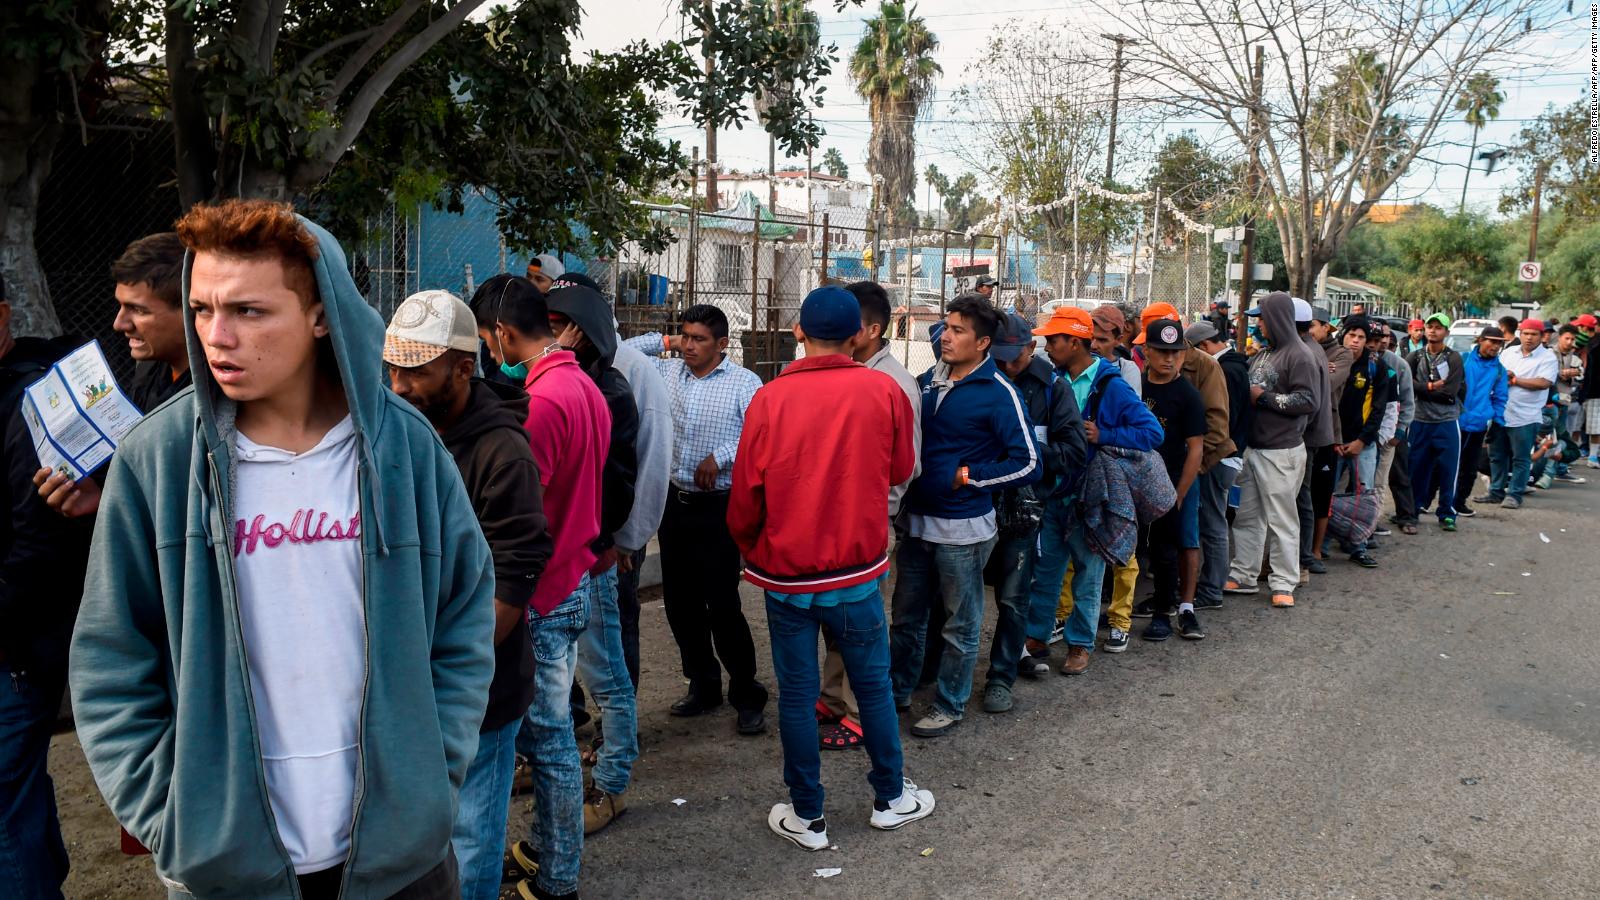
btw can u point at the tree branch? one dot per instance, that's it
(366, 99)
(365, 54)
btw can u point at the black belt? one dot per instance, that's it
(688, 497)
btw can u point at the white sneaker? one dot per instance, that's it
(809, 834)
(914, 803)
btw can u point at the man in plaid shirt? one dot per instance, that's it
(699, 560)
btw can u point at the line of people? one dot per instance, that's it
(339, 591)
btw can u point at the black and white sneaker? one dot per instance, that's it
(1058, 632)
(1465, 512)
(1144, 609)
(1189, 626)
(1116, 641)
(809, 834)
(914, 803)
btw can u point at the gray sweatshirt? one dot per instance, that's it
(1287, 374)
(1402, 389)
(654, 447)
(1443, 405)
(884, 361)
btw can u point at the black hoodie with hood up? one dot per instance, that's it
(491, 450)
(590, 312)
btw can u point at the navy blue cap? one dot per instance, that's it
(830, 313)
(1014, 336)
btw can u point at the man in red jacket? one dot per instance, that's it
(822, 554)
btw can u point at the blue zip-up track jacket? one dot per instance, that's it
(981, 425)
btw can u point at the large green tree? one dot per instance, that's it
(346, 107)
(1444, 262)
(894, 72)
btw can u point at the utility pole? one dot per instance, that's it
(711, 127)
(1533, 231)
(1251, 181)
(1121, 40)
(694, 173)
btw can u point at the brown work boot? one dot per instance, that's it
(601, 809)
(1077, 661)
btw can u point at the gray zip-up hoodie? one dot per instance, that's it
(1287, 373)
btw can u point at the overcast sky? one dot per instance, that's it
(963, 27)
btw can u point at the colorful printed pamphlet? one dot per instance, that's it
(77, 414)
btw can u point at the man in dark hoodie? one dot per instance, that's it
(581, 320)
(1361, 406)
(1324, 460)
(431, 349)
(42, 558)
(1283, 385)
(1058, 430)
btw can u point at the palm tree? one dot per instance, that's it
(936, 183)
(894, 71)
(1480, 100)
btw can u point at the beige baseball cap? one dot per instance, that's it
(425, 326)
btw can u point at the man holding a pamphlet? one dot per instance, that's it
(288, 599)
(42, 558)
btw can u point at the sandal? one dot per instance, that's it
(1408, 528)
(841, 735)
(825, 715)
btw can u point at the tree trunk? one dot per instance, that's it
(191, 128)
(27, 140)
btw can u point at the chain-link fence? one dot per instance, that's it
(100, 196)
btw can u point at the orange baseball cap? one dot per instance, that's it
(1155, 312)
(1068, 320)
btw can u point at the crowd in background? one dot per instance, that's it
(351, 585)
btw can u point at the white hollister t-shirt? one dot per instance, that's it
(297, 555)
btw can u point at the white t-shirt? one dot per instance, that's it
(1525, 406)
(297, 559)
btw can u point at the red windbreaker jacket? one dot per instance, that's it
(822, 443)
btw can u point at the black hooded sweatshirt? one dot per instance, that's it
(502, 480)
(590, 312)
(42, 555)
(1236, 369)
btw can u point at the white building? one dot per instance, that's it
(846, 204)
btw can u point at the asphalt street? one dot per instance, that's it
(1427, 728)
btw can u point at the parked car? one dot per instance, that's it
(1464, 333)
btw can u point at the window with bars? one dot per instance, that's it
(732, 268)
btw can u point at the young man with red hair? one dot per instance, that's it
(286, 639)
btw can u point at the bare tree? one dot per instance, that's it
(1034, 117)
(1355, 92)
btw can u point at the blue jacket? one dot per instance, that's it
(981, 425)
(1123, 419)
(160, 684)
(1484, 400)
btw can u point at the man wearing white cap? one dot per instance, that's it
(544, 269)
(431, 348)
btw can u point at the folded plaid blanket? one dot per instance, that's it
(1121, 490)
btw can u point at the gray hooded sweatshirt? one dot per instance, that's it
(1288, 374)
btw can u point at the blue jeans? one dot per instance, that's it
(479, 837)
(859, 636)
(1435, 452)
(1214, 551)
(1058, 546)
(547, 740)
(953, 574)
(604, 670)
(1010, 570)
(33, 860)
(1510, 456)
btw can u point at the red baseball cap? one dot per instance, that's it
(1155, 312)
(1417, 323)
(1070, 321)
(1532, 325)
(1586, 321)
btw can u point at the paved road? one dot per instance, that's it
(1431, 727)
